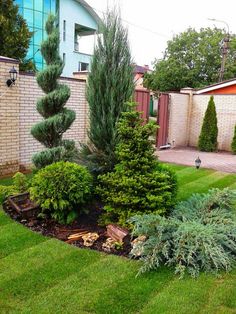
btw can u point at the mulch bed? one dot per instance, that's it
(86, 222)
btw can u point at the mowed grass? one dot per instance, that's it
(43, 275)
(192, 180)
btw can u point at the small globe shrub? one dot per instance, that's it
(20, 182)
(20, 185)
(61, 189)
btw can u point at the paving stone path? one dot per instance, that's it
(221, 161)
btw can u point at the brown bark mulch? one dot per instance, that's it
(85, 223)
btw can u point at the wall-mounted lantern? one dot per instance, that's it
(13, 77)
(198, 163)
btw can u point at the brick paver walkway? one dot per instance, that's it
(222, 161)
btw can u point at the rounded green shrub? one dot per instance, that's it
(61, 189)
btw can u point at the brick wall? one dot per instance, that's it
(226, 115)
(186, 117)
(18, 114)
(178, 119)
(29, 93)
(9, 119)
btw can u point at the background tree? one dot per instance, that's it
(208, 138)
(192, 59)
(110, 85)
(14, 34)
(233, 144)
(57, 118)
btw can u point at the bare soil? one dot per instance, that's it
(85, 222)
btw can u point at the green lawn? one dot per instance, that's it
(42, 275)
(192, 180)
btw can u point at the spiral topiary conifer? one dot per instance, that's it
(208, 138)
(57, 118)
(233, 144)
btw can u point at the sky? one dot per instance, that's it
(151, 23)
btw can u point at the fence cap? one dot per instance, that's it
(9, 60)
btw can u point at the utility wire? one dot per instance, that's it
(128, 22)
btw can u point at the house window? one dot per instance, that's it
(64, 57)
(64, 30)
(35, 12)
(83, 66)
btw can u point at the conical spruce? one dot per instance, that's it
(207, 141)
(233, 144)
(57, 118)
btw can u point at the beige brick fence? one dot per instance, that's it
(186, 112)
(18, 114)
(226, 117)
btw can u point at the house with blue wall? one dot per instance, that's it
(76, 21)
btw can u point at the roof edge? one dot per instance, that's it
(91, 11)
(215, 86)
(9, 60)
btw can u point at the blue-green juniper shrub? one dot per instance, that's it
(198, 235)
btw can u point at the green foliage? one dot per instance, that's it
(20, 185)
(20, 182)
(110, 86)
(65, 152)
(208, 137)
(27, 65)
(137, 184)
(57, 118)
(192, 59)
(199, 235)
(233, 144)
(61, 189)
(14, 34)
(7, 190)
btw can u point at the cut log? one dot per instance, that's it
(77, 235)
(117, 233)
(70, 230)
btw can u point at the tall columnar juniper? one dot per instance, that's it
(57, 118)
(233, 144)
(110, 86)
(207, 141)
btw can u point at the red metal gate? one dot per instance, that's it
(142, 98)
(163, 120)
